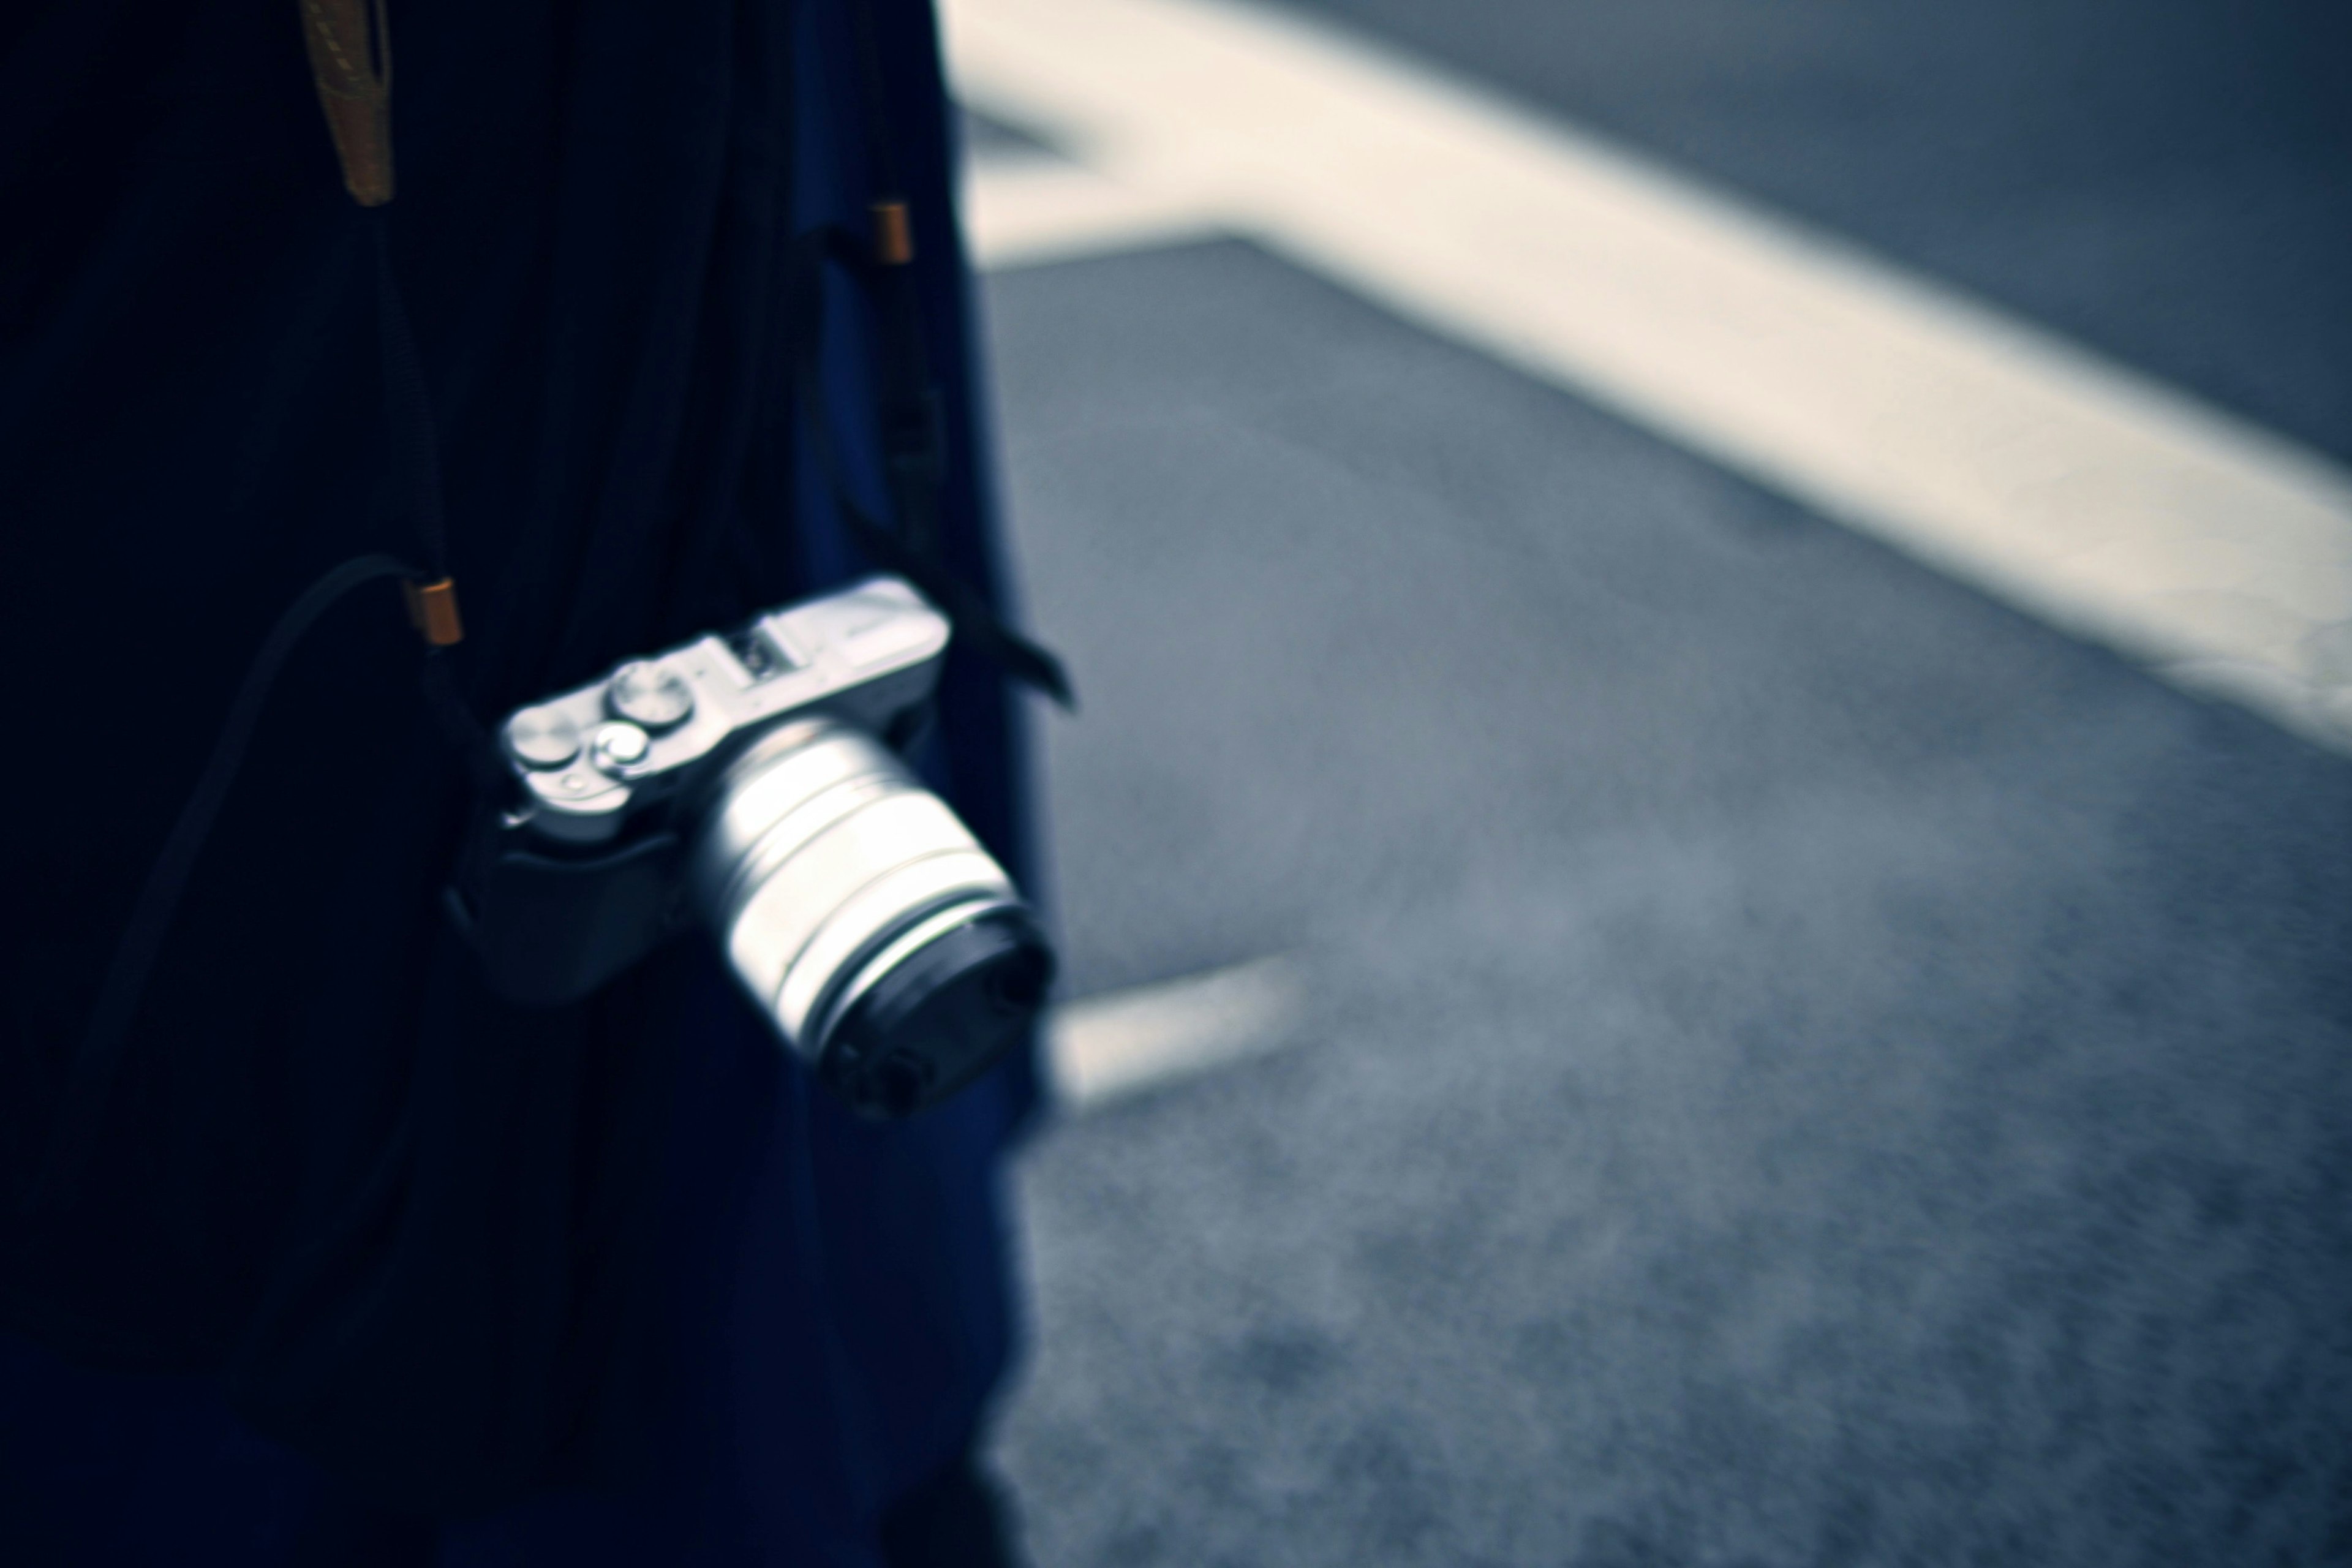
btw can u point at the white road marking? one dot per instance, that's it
(1106, 1048)
(1022, 212)
(2113, 506)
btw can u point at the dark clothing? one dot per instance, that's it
(756, 1445)
(450, 1253)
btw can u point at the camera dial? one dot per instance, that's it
(646, 694)
(542, 737)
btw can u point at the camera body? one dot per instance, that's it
(748, 779)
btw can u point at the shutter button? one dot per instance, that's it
(618, 748)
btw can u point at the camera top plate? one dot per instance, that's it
(590, 757)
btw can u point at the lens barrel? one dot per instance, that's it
(886, 946)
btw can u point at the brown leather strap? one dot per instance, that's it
(350, 61)
(894, 234)
(433, 611)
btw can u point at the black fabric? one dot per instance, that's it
(344, 1531)
(956, 1519)
(87, 1081)
(408, 1222)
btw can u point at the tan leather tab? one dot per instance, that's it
(350, 62)
(894, 234)
(433, 611)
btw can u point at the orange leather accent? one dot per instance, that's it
(350, 62)
(433, 611)
(894, 234)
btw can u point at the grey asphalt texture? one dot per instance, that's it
(1806, 1065)
(2167, 181)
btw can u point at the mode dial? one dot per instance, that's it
(649, 695)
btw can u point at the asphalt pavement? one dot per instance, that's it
(1805, 1064)
(2165, 181)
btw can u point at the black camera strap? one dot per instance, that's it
(908, 415)
(351, 63)
(91, 1075)
(914, 470)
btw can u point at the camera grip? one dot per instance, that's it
(551, 930)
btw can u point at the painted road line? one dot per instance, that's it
(1021, 212)
(2112, 505)
(1106, 1048)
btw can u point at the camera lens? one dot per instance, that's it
(887, 947)
(937, 1018)
(1017, 989)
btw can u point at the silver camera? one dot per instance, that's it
(749, 780)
